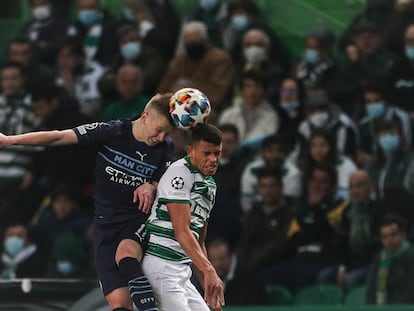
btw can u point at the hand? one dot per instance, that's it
(213, 291)
(144, 195)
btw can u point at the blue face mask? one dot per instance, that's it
(389, 142)
(129, 14)
(289, 106)
(311, 56)
(131, 50)
(13, 245)
(64, 267)
(409, 52)
(88, 17)
(239, 22)
(375, 110)
(207, 5)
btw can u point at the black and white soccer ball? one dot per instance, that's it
(189, 108)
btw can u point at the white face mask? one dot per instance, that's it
(41, 12)
(319, 119)
(255, 54)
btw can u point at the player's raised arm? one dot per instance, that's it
(42, 138)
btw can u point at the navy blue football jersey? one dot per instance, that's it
(122, 164)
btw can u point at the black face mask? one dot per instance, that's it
(195, 50)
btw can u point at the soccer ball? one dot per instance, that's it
(189, 108)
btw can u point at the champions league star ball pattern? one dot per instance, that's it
(189, 108)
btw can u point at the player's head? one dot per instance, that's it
(205, 148)
(156, 120)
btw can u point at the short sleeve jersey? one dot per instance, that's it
(122, 164)
(181, 183)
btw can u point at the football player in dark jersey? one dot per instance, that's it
(132, 156)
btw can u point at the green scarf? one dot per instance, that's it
(92, 39)
(360, 229)
(383, 269)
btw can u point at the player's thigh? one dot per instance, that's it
(194, 299)
(168, 282)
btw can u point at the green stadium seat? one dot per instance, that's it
(356, 297)
(279, 295)
(320, 294)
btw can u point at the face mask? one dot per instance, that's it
(131, 50)
(88, 17)
(319, 119)
(13, 245)
(129, 14)
(311, 56)
(239, 22)
(289, 106)
(409, 52)
(195, 50)
(41, 12)
(255, 54)
(375, 110)
(64, 267)
(207, 5)
(389, 142)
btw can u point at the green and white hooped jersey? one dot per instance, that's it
(181, 183)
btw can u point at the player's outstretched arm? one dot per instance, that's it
(213, 286)
(42, 138)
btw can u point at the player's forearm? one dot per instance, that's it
(193, 250)
(43, 138)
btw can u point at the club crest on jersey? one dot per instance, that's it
(177, 183)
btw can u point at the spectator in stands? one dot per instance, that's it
(266, 227)
(256, 55)
(290, 108)
(243, 15)
(323, 114)
(317, 67)
(322, 149)
(129, 82)
(70, 258)
(371, 60)
(391, 277)
(20, 51)
(254, 117)
(392, 166)
(16, 117)
(43, 30)
(63, 214)
(210, 68)
(225, 218)
(401, 77)
(358, 228)
(132, 50)
(273, 153)
(212, 13)
(240, 289)
(79, 76)
(95, 28)
(378, 108)
(20, 257)
(158, 23)
(314, 244)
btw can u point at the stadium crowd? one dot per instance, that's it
(316, 181)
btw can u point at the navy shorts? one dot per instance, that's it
(106, 240)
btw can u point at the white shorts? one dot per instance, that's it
(171, 284)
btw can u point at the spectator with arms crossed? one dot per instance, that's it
(132, 156)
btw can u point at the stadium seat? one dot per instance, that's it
(279, 295)
(356, 297)
(320, 294)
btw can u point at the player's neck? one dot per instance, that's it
(137, 130)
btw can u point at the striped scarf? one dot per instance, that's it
(92, 39)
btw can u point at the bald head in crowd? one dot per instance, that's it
(360, 186)
(129, 81)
